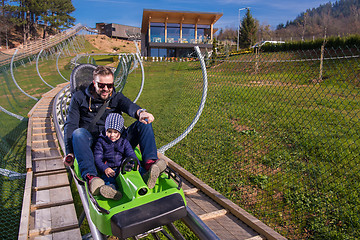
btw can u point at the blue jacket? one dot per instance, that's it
(84, 107)
(111, 154)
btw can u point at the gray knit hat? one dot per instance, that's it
(114, 121)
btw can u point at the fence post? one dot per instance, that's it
(256, 60)
(321, 62)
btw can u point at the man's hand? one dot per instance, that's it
(69, 160)
(146, 117)
(109, 172)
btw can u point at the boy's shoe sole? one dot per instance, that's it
(110, 193)
(152, 175)
(95, 185)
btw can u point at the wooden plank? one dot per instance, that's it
(43, 130)
(28, 146)
(41, 181)
(239, 229)
(36, 127)
(43, 123)
(73, 234)
(60, 194)
(46, 153)
(41, 197)
(38, 149)
(204, 202)
(46, 173)
(219, 230)
(50, 230)
(43, 237)
(51, 186)
(42, 219)
(49, 181)
(38, 137)
(48, 165)
(44, 144)
(190, 191)
(194, 206)
(47, 158)
(25, 211)
(50, 204)
(214, 214)
(64, 216)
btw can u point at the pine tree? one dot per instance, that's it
(248, 30)
(57, 15)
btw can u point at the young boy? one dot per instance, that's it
(110, 151)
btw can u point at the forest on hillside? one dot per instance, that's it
(341, 18)
(25, 20)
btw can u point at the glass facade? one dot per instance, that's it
(163, 52)
(176, 33)
(188, 33)
(203, 34)
(173, 32)
(157, 32)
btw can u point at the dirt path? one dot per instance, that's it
(111, 45)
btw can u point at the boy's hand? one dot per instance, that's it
(109, 172)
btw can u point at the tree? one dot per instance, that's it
(24, 14)
(248, 30)
(57, 15)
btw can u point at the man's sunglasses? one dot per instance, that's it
(102, 85)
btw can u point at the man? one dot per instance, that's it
(80, 131)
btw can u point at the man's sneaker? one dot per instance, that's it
(161, 164)
(94, 184)
(151, 176)
(108, 192)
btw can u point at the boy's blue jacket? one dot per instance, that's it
(109, 154)
(84, 107)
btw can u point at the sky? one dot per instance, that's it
(129, 12)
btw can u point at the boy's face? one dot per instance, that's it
(113, 134)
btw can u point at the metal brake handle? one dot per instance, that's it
(129, 164)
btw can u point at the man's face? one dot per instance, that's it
(104, 86)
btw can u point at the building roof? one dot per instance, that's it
(170, 16)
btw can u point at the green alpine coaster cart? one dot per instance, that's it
(140, 209)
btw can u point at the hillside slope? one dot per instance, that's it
(111, 45)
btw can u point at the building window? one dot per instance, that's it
(158, 52)
(173, 32)
(113, 29)
(185, 52)
(203, 33)
(171, 52)
(157, 32)
(188, 33)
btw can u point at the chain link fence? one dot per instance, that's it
(279, 134)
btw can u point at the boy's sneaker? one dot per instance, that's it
(94, 185)
(108, 192)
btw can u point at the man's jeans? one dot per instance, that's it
(137, 133)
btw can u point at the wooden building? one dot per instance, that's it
(117, 30)
(167, 33)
